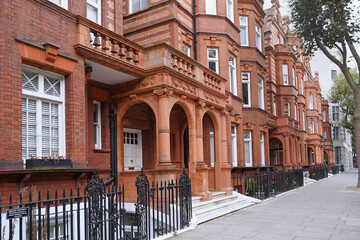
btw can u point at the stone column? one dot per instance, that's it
(286, 150)
(164, 128)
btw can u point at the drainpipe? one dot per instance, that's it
(113, 143)
(194, 29)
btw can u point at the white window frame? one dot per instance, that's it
(232, 75)
(143, 6)
(258, 36)
(234, 145)
(324, 115)
(303, 120)
(274, 108)
(248, 88)
(285, 74)
(245, 31)
(248, 140)
(39, 96)
(230, 9)
(210, 7)
(287, 111)
(294, 80)
(302, 86)
(295, 112)
(336, 113)
(262, 148)
(97, 6)
(216, 60)
(63, 3)
(311, 101)
(336, 133)
(312, 127)
(97, 125)
(261, 93)
(325, 134)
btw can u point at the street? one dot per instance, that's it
(322, 210)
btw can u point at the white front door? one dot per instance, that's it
(132, 150)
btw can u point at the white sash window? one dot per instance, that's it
(43, 124)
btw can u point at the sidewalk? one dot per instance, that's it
(323, 210)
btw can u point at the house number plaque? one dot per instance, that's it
(17, 213)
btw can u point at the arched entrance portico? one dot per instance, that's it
(138, 138)
(276, 152)
(179, 137)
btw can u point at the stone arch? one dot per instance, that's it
(179, 144)
(276, 151)
(137, 136)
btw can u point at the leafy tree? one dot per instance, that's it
(342, 94)
(327, 25)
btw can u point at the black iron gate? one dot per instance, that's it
(101, 213)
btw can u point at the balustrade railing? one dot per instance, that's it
(183, 66)
(108, 42)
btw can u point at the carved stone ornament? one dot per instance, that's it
(224, 112)
(200, 103)
(163, 91)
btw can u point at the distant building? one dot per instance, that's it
(341, 138)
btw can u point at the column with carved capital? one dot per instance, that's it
(164, 128)
(199, 134)
(287, 150)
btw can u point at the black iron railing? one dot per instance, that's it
(335, 169)
(318, 172)
(100, 212)
(267, 184)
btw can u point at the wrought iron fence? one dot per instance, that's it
(318, 172)
(266, 184)
(100, 212)
(335, 169)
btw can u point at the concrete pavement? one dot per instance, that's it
(323, 210)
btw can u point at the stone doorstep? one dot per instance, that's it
(217, 201)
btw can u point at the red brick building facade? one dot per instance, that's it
(203, 85)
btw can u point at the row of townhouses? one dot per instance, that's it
(124, 85)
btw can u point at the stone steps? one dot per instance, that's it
(220, 205)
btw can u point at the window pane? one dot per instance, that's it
(212, 66)
(52, 86)
(30, 81)
(211, 7)
(212, 53)
(92, 13)
(245, 93)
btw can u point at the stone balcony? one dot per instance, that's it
(115, 52)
